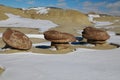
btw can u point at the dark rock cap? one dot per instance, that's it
(56, 36)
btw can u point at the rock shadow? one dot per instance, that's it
(79, 38)
(79, 43)
(43, 47)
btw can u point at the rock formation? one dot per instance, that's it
(94, 35)
(58, 39)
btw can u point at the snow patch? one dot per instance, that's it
(39, 10)
(98, 23)
(17, 21)
(102, 24)
(92, 16)
(41, 36)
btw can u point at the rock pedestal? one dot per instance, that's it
(60, 46)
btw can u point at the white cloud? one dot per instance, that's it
(95, 7)
(18, 0)
(31, 2)
(61, 0)
(114, 8)
(62, 3)
(115, 5)
(102, 7)
(26, 1)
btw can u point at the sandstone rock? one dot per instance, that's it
(94, 35)
(58, 39)
(16, 39)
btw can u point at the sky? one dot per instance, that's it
(99, 6)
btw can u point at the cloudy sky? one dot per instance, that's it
(101, 6)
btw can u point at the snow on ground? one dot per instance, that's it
(82, 64)
(17, 21)
(115, 39)
(0, 35)
(92, 16)
(102, 24)
(98, 23)
(41, 36)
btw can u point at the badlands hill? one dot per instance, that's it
(67, 20)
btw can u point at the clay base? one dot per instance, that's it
(60, 46)
(96, 42)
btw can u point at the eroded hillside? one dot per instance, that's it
(68, 20)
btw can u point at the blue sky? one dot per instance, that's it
(101, 6)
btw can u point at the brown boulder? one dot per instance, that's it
(59, 37)
(91, 33)
(16, 39)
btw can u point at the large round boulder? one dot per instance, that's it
(16, 39)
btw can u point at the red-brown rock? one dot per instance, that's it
(95, 34)
(16, 39)
(58, 39)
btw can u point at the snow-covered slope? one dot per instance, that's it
(17, 21)
(83, 64)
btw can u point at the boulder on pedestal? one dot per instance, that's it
(95, 35)
(58, 39)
